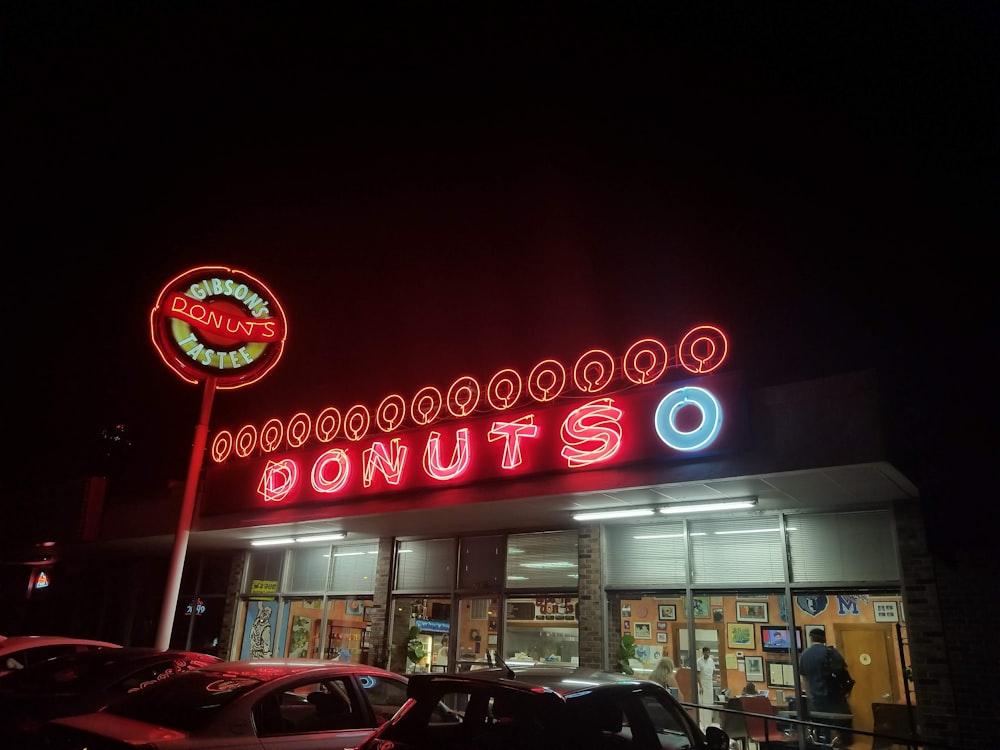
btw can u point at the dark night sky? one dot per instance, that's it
(435, 190)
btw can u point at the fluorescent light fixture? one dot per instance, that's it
(703, 507)
(657, 536)
(321, 537)
(347, 554)
(601, 514)
(269, 542)
(517, 578)
(549, 565)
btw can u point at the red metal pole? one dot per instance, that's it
(173, 586)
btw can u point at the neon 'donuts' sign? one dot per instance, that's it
(218, 322)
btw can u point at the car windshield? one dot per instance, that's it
(186, 701)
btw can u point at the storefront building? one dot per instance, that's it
(541, 516)
(483, 519)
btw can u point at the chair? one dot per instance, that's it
(763, 731)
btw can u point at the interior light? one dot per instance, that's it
(549, 565)
(269, 542)
(657, 536)
(600, 514)
(347, 554)
(321, 537)
(702, 507)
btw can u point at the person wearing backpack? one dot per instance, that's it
(816, 667)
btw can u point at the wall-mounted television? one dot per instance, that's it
(775, 638)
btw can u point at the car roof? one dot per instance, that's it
(269, 669)
(12, 643)
(562, 680)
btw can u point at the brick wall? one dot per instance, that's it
(951, 636)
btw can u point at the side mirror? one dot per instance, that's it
(716, 739)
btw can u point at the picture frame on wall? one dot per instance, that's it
(668, 612)
(751, 611)
(755, 668)
(886, 610)
(740, 635)
(702, 608)
(661, 637)
(642, 631)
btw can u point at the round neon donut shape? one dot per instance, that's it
(665, 419)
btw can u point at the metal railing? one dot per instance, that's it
(805, 731)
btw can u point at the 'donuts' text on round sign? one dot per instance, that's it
(218, 322)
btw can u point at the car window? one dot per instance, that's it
(311, 705)
(668, 720)
(385, 695)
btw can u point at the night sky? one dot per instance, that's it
(432, 190)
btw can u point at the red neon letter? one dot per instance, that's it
(597, 422)
(459, 456)
(279, 478)
(337, 457)
(512, 432)
(388, 462)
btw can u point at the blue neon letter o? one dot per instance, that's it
(700, 437)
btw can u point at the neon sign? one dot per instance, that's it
(218, 322)
(634, 427)
(701, 351)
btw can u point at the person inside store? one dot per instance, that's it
(813, 669)
(663, 674)
(706, 691)
(442, 660)
(750, 689)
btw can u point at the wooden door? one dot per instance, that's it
(868, 650)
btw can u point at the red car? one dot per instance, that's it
(256, 703)
(79, 683)
(20, 651)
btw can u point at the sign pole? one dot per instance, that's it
(173, 586)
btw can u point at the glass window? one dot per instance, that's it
(543, 560)
(481, 563)
(309, 568)
(354, 569)
(843, 547)
(264, 573)
(649, 555)
(738, 550)
(427, 565)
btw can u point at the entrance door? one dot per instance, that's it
(868, 650)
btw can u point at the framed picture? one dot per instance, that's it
(661, 637)
(701, 607)
(780, 674)
(668, 611)
(740, 635)
(642, 631)
(661, 625)
(886, 610)
(755, 668)
(491, 639)
(751, 611)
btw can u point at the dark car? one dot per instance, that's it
(79, 683)
(541, 708)
(255, 703)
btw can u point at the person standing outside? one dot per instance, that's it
(813, 671)
(706, 692)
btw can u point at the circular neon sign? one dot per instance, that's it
(218, 322)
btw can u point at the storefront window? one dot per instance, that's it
(843, 547)
(652, 555)
(542, 561)
(739, 550)
(309, 569)
(425, 565)
(354, 569)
